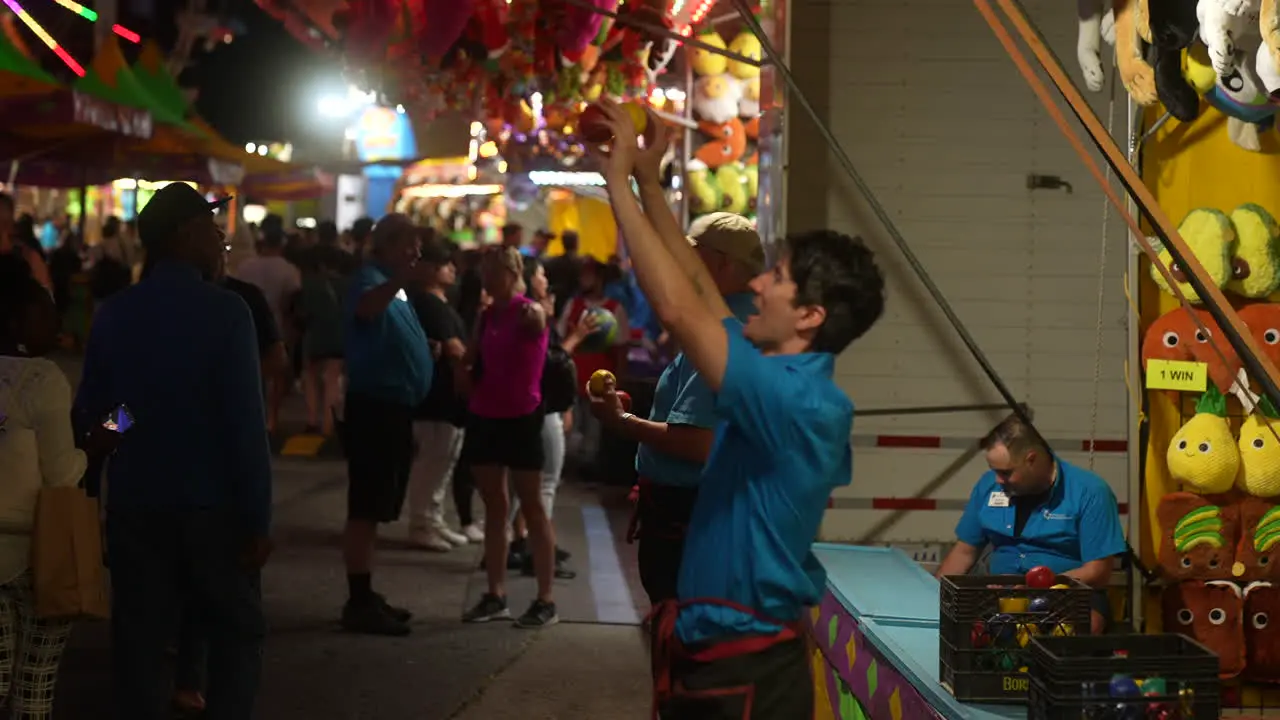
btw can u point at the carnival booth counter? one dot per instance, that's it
(876, 641)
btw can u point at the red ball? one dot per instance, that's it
(592, 127)
(625, 398)
(1041, 577)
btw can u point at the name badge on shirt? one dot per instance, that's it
(998, 499)
(402, 296)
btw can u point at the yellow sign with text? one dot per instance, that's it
(1177, 375)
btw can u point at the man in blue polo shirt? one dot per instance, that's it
(732, 645)
(389, 368)
(676, 439)
(1034, 509)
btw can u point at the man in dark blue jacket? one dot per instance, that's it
(189, 488)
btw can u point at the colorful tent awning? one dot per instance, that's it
(19, 74)
(109, 78)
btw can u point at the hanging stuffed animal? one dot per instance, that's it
(1132, 31)
(728, 143)
(1263, 321)
(1262, 632)
(1260, 452)
(732, 179)
(1095, 27)
(576, 27)
(1210, 613)
(1173, 25)
(1267, 62)
(1176, 336)
(1258, 555)
(1255, 266)
(704, 192)
(1211, 237)
(1198, 538)
(1238, 95)
(1203, 455)
(1224, 23)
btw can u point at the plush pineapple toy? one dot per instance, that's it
(1255, 266)
(1260, 452)
(1203, 456)
(1212, 238)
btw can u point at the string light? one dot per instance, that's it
(45, 37)
(92, 16)
(701, 11)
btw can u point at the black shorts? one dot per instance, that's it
(378, 440)
(512, 443)
(773, 684)
(662, 514)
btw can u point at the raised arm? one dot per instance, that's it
(687, 304)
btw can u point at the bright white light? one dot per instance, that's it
(451, 191)
(400, 109)
(476, 127)
(250, 148)
(305, 222)
(566, 179)
(334, 106)
(502, 166)
(262, 150)
(253, 214)
(675, 94)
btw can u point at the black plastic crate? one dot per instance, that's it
(986, 623)
(1121, 676)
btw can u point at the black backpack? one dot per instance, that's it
(559, 380)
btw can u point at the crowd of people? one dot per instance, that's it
(438, 370)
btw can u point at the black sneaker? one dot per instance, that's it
(490, 607)
(539, 615)
(563, 571)
(399, 613)
(562, 554)
(369, 617)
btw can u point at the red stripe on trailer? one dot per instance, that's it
(935, 442)
(908, 441)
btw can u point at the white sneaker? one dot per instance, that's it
(473, 533)
(453, 536)
(429, 540)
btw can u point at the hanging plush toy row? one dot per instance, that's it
(724, 172)
(1177, 51)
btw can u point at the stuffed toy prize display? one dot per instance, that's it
(724, 170)
(1240, 252)
(1226, 51)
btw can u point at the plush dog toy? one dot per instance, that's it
(1132, 31)
(1095, 27)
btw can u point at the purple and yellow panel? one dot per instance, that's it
(855, 680)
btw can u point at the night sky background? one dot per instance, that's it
(263, 86)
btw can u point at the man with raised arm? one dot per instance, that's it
(732, 644)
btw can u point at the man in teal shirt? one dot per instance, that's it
(389, 369)
(676, 439)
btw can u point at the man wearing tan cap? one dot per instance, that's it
(676, 439)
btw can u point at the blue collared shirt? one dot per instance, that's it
(388, 357)
(1079, 522)
(781, 448)
(683, 398)
(182, 354)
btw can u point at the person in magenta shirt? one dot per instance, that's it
(503, 439)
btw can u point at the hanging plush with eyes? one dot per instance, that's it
(1260, 452)
(1255, 264)
(1211, 237)
(1176, 336)
(1258, 554)
(1203, 456)
(1212, 614)
(1263, 321)
(1262, 632)
(1238, 95)
(1198, 538)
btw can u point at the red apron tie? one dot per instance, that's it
(666, 646)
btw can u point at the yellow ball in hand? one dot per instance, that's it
(596, 385)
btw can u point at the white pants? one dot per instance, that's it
(439, 444)
(586, 432)
(552, 466)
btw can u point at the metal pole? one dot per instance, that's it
(932, 410)
(1134, 378)
(664, 32)
(881, 214)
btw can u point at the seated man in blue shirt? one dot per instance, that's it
(189, 488)
(389, 369)
(1035, 509)
(676, 439)
(733, 644)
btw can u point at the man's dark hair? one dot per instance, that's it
(18, 291)
(1016, 435)
(361, 229)
(838, 273)
(512, 230)
(569, 239)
